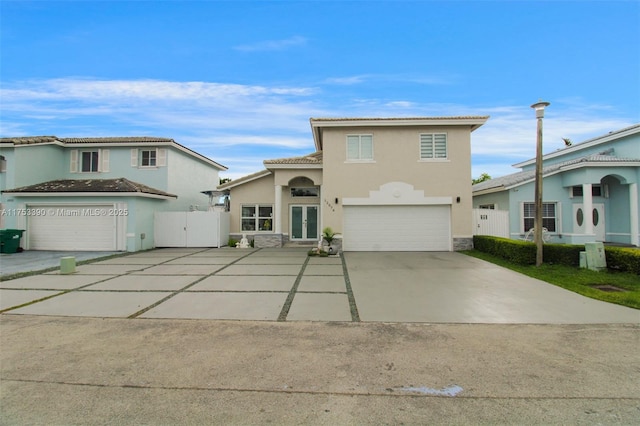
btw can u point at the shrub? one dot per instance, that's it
(519, 252)
(232, 242)
(524, 253)
(624, 259)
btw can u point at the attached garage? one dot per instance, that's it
(397, 228)
(396, 217)
(87, 214)
(88, 227)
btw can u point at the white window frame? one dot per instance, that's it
(258, 221)
(152, 158)
(305, 191)
(137, 158)
(359, 158)
(545, 216)
(430, 149)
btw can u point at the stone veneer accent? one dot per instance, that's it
(460, 244)
(267, 240)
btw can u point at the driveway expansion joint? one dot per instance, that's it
(175, 293)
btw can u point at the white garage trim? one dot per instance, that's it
(397, 193)
(79, 227)
(397, 218)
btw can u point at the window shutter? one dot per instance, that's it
(162, 157)
(426, 146)
(134, 158)
(104, 160)
(73, 168)
(366, 147)
(353, 148)
(440, 145)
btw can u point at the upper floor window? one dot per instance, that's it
(3, 164)
(154, 157)
(433, 146)
(359, 147)
(89, 161)
(93, 161)
(148, 158)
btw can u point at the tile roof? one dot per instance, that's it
(314, 158)
(243, 179)
(90, 185)
(525, 176)
(30, 140)
(116, 139)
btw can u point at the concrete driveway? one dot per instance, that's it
(287, 285)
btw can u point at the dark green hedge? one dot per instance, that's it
(623, 259)
(524, 253)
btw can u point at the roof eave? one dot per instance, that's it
(583, 145)
(292, 166)
(91, 194)
(243, 180)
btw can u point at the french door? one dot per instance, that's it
(304, 222)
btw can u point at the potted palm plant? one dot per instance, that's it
(328, 235)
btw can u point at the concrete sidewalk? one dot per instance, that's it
(65, 370)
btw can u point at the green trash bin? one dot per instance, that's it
(10, 240)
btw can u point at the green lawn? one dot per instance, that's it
(577, 280)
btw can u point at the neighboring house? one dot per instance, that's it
(385, 184)
(590, 191)
(98, 193)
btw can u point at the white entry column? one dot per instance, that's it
(633, 213)
(277, 219)
(587, 201)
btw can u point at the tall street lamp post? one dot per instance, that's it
(537, 223)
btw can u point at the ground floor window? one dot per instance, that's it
(548, 216)
(257, 217)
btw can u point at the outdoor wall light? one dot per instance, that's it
(336, 200)
(457, 199)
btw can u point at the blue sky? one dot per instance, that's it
(238, 80)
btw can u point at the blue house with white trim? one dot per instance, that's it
(590, 191)
(98, 193)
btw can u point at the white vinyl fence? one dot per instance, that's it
(191, 229)
(491, 222)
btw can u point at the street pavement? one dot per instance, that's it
(230, 336)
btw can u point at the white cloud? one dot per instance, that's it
(232, 120)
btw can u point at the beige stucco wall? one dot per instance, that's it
(259, 191)
(397, 158)
(262, 191)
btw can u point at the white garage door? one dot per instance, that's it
(63, 227)
(397, 228)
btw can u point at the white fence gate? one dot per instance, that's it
(491, 222)
(191, 229)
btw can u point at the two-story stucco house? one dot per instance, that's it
(590, 191)
(385, 184)
(98, 193)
